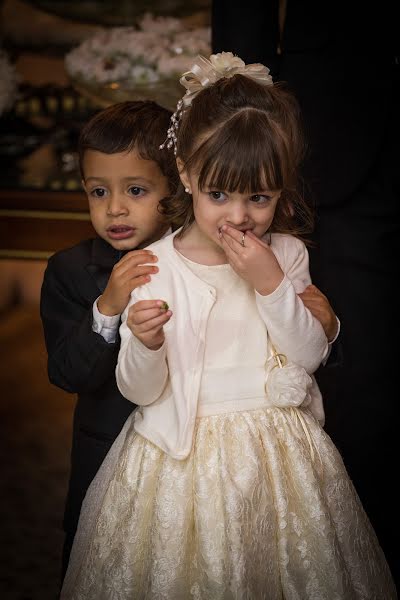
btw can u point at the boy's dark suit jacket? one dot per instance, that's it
(81, 362)
(342, 61)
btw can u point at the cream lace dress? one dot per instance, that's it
(261, 509)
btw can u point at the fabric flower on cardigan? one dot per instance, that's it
(205, 72)
(288, 386)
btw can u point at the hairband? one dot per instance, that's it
(206, 72)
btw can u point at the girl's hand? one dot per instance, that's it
(318, 305)
(146, 320)
(128, 274)
(254, 261)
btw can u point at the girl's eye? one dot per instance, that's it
(98, 192)
(217, 196)
(135, 190)
(260, 199)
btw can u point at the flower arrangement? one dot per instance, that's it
(8, 83)
(157, 48)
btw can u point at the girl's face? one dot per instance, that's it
(214, 208)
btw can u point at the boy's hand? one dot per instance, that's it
(318, 304)
(129, 273)
(146, 320)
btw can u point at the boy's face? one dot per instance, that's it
(124, 191)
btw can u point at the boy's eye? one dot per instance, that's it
(98, 192)
(217, 196)
(135, 190)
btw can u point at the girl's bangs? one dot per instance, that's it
(228, 162)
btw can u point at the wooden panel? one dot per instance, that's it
(25, 237)
(43, 200)
(36, 223)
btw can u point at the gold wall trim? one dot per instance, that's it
(34, 254)
(45, 214)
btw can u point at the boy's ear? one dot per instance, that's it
(182, 173)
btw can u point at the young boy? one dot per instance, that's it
(86, 288)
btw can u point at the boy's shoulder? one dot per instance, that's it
(73, 256)
(83, 248)
(72, 262)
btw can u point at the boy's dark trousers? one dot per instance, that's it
(82, 362)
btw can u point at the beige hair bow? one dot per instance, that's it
(205, 72)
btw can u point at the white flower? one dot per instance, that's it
(225, 62)
(191, 43)
(143, 74)
(288, 386)
(173, 66)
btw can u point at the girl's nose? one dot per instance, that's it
(237, 214)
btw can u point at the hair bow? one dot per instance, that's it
(206, 71)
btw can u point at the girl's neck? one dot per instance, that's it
(199, 248)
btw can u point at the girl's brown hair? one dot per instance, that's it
(239, 135)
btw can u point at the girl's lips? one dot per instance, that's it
(120, 232)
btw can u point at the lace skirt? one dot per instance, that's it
(261, 509)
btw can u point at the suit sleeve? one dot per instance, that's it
(291, 327)
(141, 374)
(79, 360)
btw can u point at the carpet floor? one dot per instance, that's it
(35, 434)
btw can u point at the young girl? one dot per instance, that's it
(223, 485)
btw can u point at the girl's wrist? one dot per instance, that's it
(269, 285)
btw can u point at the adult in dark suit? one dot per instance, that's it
(341, 60)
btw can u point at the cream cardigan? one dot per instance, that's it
(165, 383)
